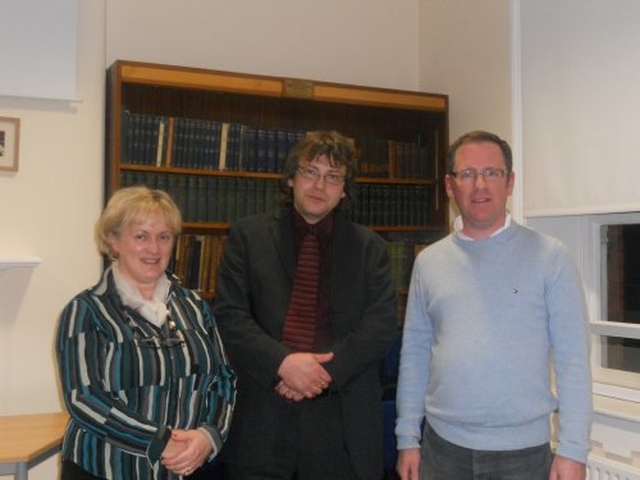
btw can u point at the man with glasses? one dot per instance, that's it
(307, 309)
(490, 308)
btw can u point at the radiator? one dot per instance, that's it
(601, 468)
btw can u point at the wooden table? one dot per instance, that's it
(26, 440)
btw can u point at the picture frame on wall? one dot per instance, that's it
(9, 144)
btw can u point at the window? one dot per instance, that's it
(616, 317)
(621, 286)
(606, 248)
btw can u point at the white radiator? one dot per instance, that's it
(601, 468)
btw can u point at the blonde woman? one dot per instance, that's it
(143, 372)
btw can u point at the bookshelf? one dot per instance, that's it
(215, 140)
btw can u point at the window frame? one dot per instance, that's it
(606, 381)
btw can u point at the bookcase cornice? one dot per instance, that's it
(217, 80)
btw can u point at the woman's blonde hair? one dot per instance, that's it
(133, 205)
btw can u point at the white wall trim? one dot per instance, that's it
(516, 111)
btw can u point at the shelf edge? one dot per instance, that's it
(7, 263)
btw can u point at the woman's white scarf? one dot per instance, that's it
(154, 310)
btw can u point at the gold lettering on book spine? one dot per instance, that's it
(298, 88)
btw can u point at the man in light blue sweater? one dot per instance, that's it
(495, 312)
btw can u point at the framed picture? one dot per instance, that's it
(9, 144)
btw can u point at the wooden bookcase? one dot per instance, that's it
(215, 141)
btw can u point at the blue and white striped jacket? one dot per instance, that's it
(127, 383)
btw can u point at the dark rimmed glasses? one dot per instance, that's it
(310, 173)
(469, 175)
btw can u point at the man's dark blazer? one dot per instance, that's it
(254, 284)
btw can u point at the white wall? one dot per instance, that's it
(367, 42)
(465, 52)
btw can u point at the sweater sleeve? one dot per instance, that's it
(221, 401)
(568, 324)
(414, 367)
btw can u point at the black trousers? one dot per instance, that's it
(310, 445)
(71, 471)
(443, 460)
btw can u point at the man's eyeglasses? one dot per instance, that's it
(469, 175)
(331, 178)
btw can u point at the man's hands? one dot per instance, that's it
(303, 376)
(563, 468)
(408, 464)
(186, 451)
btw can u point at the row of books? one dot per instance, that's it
(196, 261)
(402, 256)
(163, 141)
(383, 158)
(210, 199)
(197, 258)
(391, 205)
(180, 142)
(401, 259)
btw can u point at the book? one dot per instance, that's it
(246, 148)
(126, 136)
(177, 188)
(212, 145)
(205, 261)
(272, 151)
(161, 143)
(222, 195)
(178, 143)
(232, 199)
(217, 249)
(252, 206)
(190, 212)
(193, 269)
(224, 135)
(169, 145)
(233, 147)
(241, 198)
(261, 162)
(213, 202)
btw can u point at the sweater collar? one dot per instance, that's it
(458, 227)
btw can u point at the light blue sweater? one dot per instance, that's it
(484, 320)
